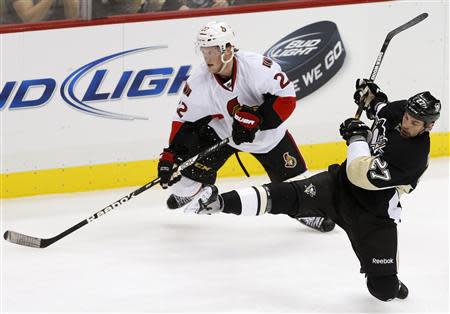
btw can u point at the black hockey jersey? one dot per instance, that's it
(394, 167)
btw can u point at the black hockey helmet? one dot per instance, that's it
(424, 107)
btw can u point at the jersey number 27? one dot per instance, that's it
(378, 170)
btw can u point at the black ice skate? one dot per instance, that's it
(318, 223)
(175, 201)
(402, 291)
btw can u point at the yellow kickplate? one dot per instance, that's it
(135, 173)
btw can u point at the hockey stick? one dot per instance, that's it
(389, 36)
(25, 240)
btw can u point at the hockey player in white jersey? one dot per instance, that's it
(233, 93)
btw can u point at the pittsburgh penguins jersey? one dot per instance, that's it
(254, 78)
(394, 167)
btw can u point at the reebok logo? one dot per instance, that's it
(382, 261)
(111, 207)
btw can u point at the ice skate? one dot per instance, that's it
(189, 188)
(318, 223)
(175, 201)
(206, 202)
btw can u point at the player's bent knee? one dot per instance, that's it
(384, 288)
(283, 199)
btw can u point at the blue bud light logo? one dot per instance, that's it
(158, 81)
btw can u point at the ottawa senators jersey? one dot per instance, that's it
(253, 76)
(395, 166)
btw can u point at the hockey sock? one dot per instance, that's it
(250, 201)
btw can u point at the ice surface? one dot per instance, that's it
(143, 257)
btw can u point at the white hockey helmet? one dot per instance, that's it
(216, 34)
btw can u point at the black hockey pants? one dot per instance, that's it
(284, 161)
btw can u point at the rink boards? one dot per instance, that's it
(93, 109)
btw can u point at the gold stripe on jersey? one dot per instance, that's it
(357, 172)
(401, 189)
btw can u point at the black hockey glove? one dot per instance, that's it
(168, 161)
(245, 125)
(368, 95)
(354, 130)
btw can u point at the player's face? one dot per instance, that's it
(212, 58)
(411, 126)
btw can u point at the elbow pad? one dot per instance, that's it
(275, 110)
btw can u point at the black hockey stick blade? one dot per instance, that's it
(22, 239)
(407, 25)
(25, 240)
(380, 57)
(389, 36)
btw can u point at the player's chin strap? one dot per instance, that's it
(225, 62)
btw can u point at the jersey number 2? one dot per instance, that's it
(284, 81)
(182, 108)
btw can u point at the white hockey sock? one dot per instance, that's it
(253, 201)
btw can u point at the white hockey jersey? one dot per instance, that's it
(253, 76)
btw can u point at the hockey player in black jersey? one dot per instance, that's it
(362, 195)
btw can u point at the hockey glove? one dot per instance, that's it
(246, 123)
(368, 95)
(168, 162)
(353, 130)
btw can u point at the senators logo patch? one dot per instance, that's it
(289, 161)
(233, 105)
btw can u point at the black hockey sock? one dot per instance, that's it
(231, 203)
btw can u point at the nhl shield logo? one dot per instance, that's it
(310, 190)
(289, 161)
